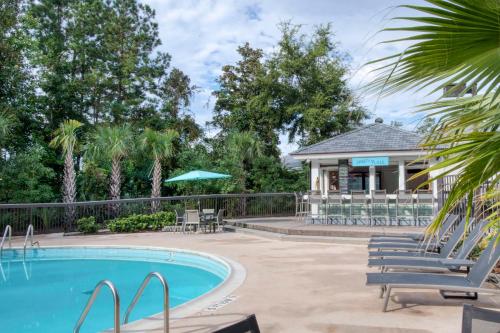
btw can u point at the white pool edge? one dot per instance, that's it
(234, 280)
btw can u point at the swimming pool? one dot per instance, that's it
(47, 291)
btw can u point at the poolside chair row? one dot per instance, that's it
(363, 209)
(416, 262)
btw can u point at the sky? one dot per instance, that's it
(203, 35)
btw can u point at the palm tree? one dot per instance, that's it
(65, 137)
(242, 148)
(111, 143)
(455, 42)
(158, 145)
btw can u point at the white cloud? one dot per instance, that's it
(202, 36)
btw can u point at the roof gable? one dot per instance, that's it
(372, 137)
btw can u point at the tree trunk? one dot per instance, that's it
(115, 184)
(69, 186)
(156, 185)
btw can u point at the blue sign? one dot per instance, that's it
(370, 161)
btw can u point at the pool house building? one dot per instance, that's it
(375, 159)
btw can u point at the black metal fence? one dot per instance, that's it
(57, 217)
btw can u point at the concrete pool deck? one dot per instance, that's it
(294, 286)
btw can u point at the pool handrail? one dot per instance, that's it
(7, 232)
(29, 235)
(90, 302)
(138, 295)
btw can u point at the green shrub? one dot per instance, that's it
(135, 223)
(87, 225)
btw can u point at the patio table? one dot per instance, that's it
(207, 216)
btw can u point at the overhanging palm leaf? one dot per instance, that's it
(455, 42)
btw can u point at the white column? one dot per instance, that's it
(315, 178)
(434, 173)
(372, 178)
(402, 175)
(314, 174)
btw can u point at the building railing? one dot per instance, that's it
(480, 208)
(57, 217)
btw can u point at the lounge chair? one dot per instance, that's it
(247, 325)
(449, 220)
(478, 320)
(419, 246)
(443, 253)
(446, 264)
(470, 284)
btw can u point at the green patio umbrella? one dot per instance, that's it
(197, 175)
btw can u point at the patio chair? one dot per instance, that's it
(335, 207)
(379, 207)
(315, 200)
(179, 219)
(478, 320)
(424, 207)
(421, 246)
(444, 251)
(359, 201)
(443, 262)
(247, 325)
(191, 220)
(469, 285)
(219, 220)
(404, 201)
(448, 222)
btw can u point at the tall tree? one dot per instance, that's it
(310, 75)
(455, 42)
(65, 137)
(175, 93)
(111, 143)
(16, 80)
(51, 56)
(245, 101)
(300, 88)
(131, 35)
(158, 146)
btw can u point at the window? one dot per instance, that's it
(360, 180)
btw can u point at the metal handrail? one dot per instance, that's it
(29, 235)
(138, 295)
(90, 302)
(7, 232)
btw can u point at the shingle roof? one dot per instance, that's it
(373, 137)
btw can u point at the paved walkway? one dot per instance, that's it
(296, 286)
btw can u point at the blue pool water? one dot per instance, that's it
(48, 290)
